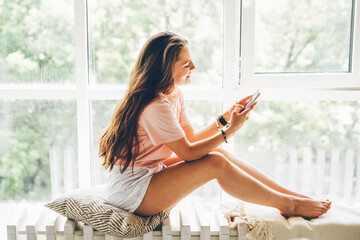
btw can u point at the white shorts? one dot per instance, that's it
(127, 190)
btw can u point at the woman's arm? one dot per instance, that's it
(190, 151)
(211, 129)
(204, 133)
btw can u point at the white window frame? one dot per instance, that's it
(294, 80)
(274, 87)
(335, 81)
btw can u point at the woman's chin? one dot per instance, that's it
(183, 81)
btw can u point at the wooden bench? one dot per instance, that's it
(186, 222)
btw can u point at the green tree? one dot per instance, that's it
(118, 29)
(311, 36)
(282, 126)
(37, 42)
(32, 128)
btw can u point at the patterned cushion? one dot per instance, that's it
(89, 206)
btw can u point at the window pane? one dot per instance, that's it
(201, 114)
(305, 36)
(101, 113)
(310, 147)
(37, 44)
(38, 158)
(118, 29)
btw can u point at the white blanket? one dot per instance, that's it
(340, 222)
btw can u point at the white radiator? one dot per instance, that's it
(186, 222)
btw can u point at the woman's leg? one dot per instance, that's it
(172, 184)
(172, 161)
(257, 174)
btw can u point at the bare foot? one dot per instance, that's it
(295, 194)
(307, 208)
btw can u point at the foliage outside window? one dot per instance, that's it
(307, 36)
(278, 131)
(118, 29)
(38, 48)
(37, 44)
(31, 129)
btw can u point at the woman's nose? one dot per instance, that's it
(192, 67)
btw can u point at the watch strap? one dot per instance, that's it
(223, 121)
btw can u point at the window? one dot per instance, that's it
(64, 65)
(308, 146)
(313, 36)
(287, 44)
(101, 112)
(307, 114)
(68, 110)
(31, 35)
(38, 157)
(117, 31)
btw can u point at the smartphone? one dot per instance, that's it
(251, 101)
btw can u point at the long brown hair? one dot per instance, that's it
(151, 75)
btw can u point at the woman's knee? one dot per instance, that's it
(217, 161)
(221, 150)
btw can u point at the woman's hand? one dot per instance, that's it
(237, 119)
(239, 104)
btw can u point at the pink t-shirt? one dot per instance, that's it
(160, 122)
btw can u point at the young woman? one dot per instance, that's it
(150, 124)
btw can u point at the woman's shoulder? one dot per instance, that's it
(164, 102)
(158, 104)
(159, 101)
